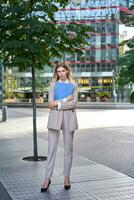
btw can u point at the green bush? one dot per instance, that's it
(132, 97)
(98, 94)
(104, 93)
(20, 95)
(9, 95)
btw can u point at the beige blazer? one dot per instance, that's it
(67, 108)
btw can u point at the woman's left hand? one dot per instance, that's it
(53, 104)
(70, 97)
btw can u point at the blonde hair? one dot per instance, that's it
(55, 76)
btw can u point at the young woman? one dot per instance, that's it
(62, 116)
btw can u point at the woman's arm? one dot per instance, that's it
(54, 103)
(65, 105)
(51, 92)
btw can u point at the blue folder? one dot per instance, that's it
(62, 90)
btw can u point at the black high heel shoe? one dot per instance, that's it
(44, 189)
(67, 187)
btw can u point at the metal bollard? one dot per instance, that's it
(4, 113)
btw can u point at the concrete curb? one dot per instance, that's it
(80, 105)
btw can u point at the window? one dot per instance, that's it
(102, 67)
(78, 57)
(67, 57)
(73, 68)
(92, 67)
(98, 54)
(108, 40)
(83, 68)
(113, 54)
(88, 68)
(107, 67)
(103, 39)
(94, 81)
(98, 67)
(87, 55)
(78, 68)
(103, 54)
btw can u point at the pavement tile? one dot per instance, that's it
(90, 180)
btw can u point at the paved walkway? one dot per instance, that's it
(22, 180)
(90, 181)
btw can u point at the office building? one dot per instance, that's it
(95, 70)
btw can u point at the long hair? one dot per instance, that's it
(55, 76)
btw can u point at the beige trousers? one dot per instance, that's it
(53, 138)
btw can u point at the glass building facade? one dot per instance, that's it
(94, 70)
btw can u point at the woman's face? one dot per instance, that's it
(62, 73)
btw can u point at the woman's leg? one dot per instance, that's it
(68, 144)
(53, 138)
(68, 151)
(68, 156)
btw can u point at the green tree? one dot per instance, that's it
(30, 37)
(9, 85)
(126, 61)
(39, 81)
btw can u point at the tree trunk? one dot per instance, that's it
(35, 150)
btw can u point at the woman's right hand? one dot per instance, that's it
(52, 104)
(70, 97)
